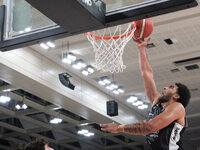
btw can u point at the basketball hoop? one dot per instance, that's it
(108, 45)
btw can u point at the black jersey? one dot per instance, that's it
(168, 138)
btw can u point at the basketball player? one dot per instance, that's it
(166, 120)
(38, 144)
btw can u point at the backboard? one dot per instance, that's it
(71, 17)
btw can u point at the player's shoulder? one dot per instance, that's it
(176, 105)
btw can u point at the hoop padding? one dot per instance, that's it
(109, 49)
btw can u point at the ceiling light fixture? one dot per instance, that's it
(132, 99)
(4, 99)
(114, 85)
(76, 66)
(137, 103)
(17, 107)
(120, 90)
(51, 44)
(43, 45)
(68, 58)
(84, 72)
(81, 63)
(85, 133)
(116, 92)
(107, 81)
(90, 69)
(109, 87)
(47, 45)
(101, 82)
(6, 90)
(20, 105)
(55, 120)
(143, 106)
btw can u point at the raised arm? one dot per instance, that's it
(147, 73)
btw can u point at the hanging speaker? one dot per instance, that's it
(64, 79)
(112, 108)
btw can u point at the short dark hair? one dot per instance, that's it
(37, 144)
(184, 94)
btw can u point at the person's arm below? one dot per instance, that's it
(147, 72)
(173, 112)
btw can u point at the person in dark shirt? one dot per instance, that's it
(166, 121)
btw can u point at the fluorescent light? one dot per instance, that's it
(114, 85)
(24, 106)
(101, 82)
(81, 64)
(131, 99)
(106, 81)
(71, 57)
(145, 106)
(6, 90)
(109, 87)
(51, 44)
(67, 61)
(141, 107)
(17, 106)
(83, 131)
(137, 103)
(4, 99)
(89, 134)
(56, 120)
(120, 90)
(90, 70)
(116, 92)
(85, 72)
(76, 66)
(44, 46)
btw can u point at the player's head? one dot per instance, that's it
(38, 144)
(184, 94)
(177, 92)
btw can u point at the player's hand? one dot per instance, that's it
(110, 127)
(141, 43)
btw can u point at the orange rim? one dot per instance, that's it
(109, 37)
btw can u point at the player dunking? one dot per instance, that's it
(166, 120)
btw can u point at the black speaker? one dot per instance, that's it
(112, 108)
(64, 79)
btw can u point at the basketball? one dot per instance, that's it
(144, 28)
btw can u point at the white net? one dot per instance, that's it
(108, 45)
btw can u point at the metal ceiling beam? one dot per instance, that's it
(39, 123)
(4, 147)
(45, 109)
(13, 128)
(45, 127)
(6, 87)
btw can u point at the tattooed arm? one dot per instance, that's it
(173, 112)
(137, 128)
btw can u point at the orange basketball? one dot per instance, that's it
(144, 28)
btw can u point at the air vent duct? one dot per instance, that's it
(187, 61)
(192, 67)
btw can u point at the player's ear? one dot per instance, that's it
(176, 96)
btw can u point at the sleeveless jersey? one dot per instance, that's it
(168, 138)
